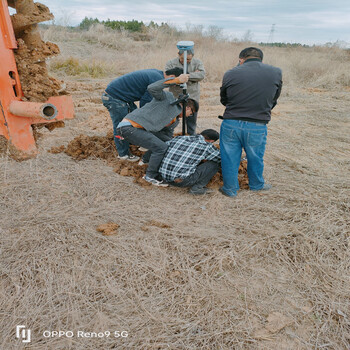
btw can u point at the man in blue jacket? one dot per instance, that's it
(249, 92)
(141, 125)
(120, 97)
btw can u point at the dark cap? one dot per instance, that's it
(210, 134)
(174, 71)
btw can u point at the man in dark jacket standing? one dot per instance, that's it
(249, 92)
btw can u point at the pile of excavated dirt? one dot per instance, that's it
(31, 53)
(36, 84)
(108, 229)
(83, 147)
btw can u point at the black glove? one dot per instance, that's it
(180, 99)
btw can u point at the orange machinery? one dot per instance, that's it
(18, 116)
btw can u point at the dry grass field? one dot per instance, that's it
(260, 271)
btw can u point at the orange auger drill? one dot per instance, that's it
(16, 114)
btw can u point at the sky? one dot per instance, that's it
(290, 21)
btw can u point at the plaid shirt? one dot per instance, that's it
(183, 155)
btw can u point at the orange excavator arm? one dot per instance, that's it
(20, 107)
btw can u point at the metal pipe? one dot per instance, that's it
(46, 111)
(184, 90)
(184, 46)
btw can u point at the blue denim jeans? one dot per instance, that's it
(118, 110)
(235, 135)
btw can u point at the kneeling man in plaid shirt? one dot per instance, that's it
(182, 164)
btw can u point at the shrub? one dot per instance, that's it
(72, 66)
(86, 23)
(132, 26)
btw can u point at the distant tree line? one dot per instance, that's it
(132, 26)
(283, 45)
(140, 28)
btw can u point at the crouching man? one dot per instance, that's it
(138, 126)
(182, 164)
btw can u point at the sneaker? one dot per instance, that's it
(266, 187)
(200, 191)
(141, 162)
(155, 182)
(130, 158)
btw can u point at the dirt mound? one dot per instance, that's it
(108, 229)
(36, 84)
(83, 147)
(30, 56)
(217, 181)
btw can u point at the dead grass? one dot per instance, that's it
(262, 271)
(316, 67)
(73, 67)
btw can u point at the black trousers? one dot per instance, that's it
(165, 134)
(146, 139)
(191, 123)
(200, 178)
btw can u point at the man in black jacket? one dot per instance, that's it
(249, 92)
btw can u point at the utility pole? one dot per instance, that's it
(272, 31)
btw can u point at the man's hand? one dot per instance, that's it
(183, 78)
